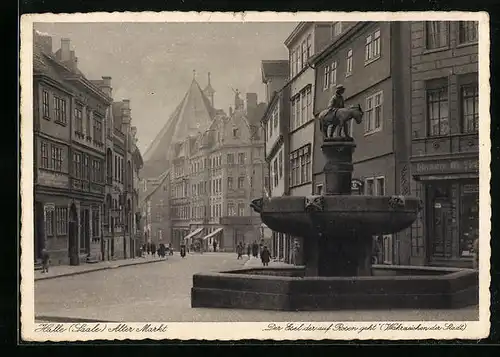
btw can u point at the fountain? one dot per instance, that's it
(337, 228)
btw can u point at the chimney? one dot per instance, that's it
(44, 41)
(126, 111)
(106, 86)
(65, 50)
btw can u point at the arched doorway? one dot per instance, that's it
(73, 236)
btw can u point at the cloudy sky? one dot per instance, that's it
(152, 63)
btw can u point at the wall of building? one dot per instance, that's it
(449, 161)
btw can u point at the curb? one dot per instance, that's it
(96, 269)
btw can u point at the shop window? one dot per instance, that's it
(469, 218)
(387, 249)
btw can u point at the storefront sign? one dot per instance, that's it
(445, 166)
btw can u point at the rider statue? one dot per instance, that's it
(337, 100)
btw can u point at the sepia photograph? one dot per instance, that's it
(255, 176)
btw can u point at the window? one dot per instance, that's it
(436, 34)
(275, 172)
(60, 110)
(387, 243)
(96, 174)
(304, 54)
(375, 186)
(45, 104)
(337, 29)
(230, 159)
(349, 62)
(437, 111)
(241, 209)
(78, 119)
(326, 78)
(280, 163)
(85, 167)
(333, 74)
(230, 183)
(230, 209)
(319, 189)
(241, 158)
(309, 46)
(467, 31)
(369, 187)
(373, 113)
(300, 163)
(49, 222)
(301, 108)
(61, 221)
(241, 182)
(380, 186)
(275, 117)
(77, 164)
(44, 155)
(56, 155)
(470, 108)
(372, 46)
(97, 129)
(235, 133)
(299, 59)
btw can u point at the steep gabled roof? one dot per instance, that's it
(193, 115)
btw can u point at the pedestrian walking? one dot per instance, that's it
(239, 250)
(249, 250)
(148, 248)
(265, 256)
(153, 249)
(255, 249)
(215, 245)
(45, 261)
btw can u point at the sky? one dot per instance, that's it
(152, 64)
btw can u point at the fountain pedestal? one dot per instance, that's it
(344, 252)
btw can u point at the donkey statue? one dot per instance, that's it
(331, 119)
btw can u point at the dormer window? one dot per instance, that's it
(235, 133)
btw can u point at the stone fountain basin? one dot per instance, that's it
(287, 289)
(339, 214)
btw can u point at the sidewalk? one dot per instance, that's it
(256, 262)
(68, 270)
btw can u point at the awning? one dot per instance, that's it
(193, 233)
(218, 230)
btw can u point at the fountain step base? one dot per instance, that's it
(284, 289)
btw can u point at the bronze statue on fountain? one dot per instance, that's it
(337, 228)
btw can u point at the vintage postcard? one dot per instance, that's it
(227, 176)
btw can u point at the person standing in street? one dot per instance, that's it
(45, 261)
(265, 256)
(249, 250)
(255, 249)
(239, 250)
(215, 245)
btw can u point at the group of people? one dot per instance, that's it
(255, 249)
(162, 250)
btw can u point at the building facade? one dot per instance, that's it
(216, 164)
(305, 41)
(371, 60)
(445, 142)
(71, 114)
(275, 122)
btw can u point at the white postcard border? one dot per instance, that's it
(31, 331)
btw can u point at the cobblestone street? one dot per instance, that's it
(160, 292)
